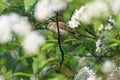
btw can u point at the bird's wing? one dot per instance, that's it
(64, 26)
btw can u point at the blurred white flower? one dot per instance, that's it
(2, 77)
(98, 49)
(115, 75)
(5, 29)
(108, 66)
(115, 5)
(32, 42)
(108, 26)
(111, 20)
(22, 28)
(68, 1)
(43, 10)
(91, 10)
(84, 73)
(14, 18)
(20, 25)
(97, 9)
(101, 27)
(13, 23)
(91, 78)
(75, 20)
(73, 23)
(98, 44)
(47, 8)
(94, 78)
(57, 5)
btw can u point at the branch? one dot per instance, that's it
(96, 57)
(90, 33)
(59, 43)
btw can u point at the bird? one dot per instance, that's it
(63, 28)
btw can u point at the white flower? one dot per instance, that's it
(14, 18)
(2, 77)
(98, 49)
(22, 28)
(74, 22)
(115, 75)
(115, 5)
(108, 66)
(96, 9)
(84, 73)
(91, 78)
(111, 20)
(108, 26)
(5, 29)
(57, 5)
(94, 78)
(101, 27)
(91, 10)
(68, 1)
(43, 10)
(98, 43)
(32, 43)
(47, 8)
(20, 25)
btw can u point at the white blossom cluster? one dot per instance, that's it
(2, 77)
(32, 42)
(98, 45)
(108, 26)
(47, 8)
(75, 20)
(96, 9)
(115, 75)
(84, 74)
(13, 23)
(108, 66)
(115, 6)
(91, 10)
(94, 78)
(20, 26)
(68, 1)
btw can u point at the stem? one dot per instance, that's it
(96, 57)
(59, 42)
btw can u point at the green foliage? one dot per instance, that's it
(45, 65)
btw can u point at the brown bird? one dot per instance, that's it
(62, 28)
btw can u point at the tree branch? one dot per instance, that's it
(96, 57)
(59, 42)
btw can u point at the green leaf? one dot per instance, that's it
(2, 5)
(96, 25)
(47, 46)
(69, 40)
(113, 45)
(52, 40)
(29, 5)
(23, 57)
(114, 40)
(22, 74)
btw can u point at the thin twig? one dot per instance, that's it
(90, 33)
(97, 58)
(59, 42)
